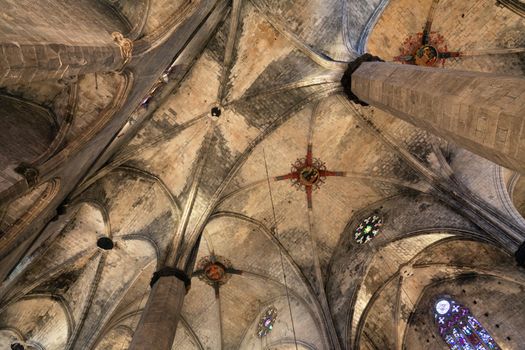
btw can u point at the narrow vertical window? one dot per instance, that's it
(459, 328)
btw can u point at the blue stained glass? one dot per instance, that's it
(482, 333)
(451, 342)
(459, 329)
(461, 339)
(467, 331)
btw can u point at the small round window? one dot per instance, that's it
(368, 229)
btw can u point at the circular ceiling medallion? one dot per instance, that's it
(213, 270)
(309, 175)
(426, 55)
(368, 229)
(442, 306)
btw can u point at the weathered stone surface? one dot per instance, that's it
(33, 48)
(166, 181)
(482, 112)
(158, 325)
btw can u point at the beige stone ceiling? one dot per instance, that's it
(273, 68)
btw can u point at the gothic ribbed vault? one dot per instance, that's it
(273, 68)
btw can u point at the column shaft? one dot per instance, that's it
(483, 113)
(158, 324)
(50, 39)
(27, 62)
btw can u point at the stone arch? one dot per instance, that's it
(134, 14)
(394, 299)
(40, 321)
(297, 282)
(290, 345)
(28, 133)
(73, 261)
(92, 102)
(307, 332)
(99, 97)
(162, 18)
(117, 338)
(517, 193)
(488, 297)
(21, 212)
(400, 224)
(16, 209)
(364, 296)
(506, 181)
(412, 19)
(126, 207)
(75, 236)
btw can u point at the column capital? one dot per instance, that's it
(125, 45)
(174, 272)
(347, 77)
(30, 174)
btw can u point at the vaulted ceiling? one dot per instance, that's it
(273, 70)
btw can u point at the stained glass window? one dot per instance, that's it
(459, 328)
(266, 322)
(368, 229)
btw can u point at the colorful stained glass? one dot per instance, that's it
(266, 323)
(459, 329)
(368, 229)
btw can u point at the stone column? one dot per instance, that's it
(24, 63)
(483, 113)
(158, 324)
(51, 39)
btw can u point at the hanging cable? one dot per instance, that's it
(280, 250)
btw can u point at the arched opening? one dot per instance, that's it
(402, 300)
(458, 327)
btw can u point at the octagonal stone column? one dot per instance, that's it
(481, 112)
(52, 39)
(158, 324)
